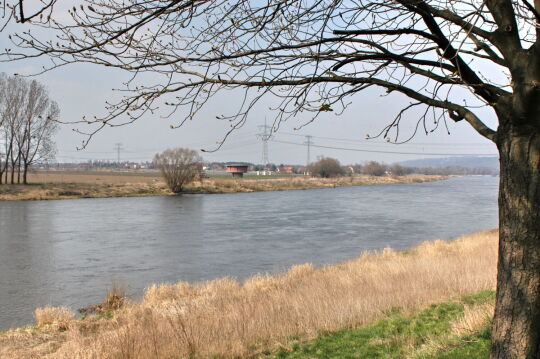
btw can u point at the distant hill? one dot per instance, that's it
(468, 162)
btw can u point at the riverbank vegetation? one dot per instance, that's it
(304, 312)
(65, 185)
(455, 329)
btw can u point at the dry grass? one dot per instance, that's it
(67, 185)
(116, 298)
(48, 191)
(223, 185)
(56, 316)
(474, 318)
(90, 184)
(94, 177)
(229, 319)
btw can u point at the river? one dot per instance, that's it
(69, 252)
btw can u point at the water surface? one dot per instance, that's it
(68, 252)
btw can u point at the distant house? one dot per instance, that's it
(237, 169)
(286, 169)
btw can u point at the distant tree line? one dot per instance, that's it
(28, 122)
(329, 167)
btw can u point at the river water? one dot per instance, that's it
(69, 252)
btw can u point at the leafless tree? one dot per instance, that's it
(29, 122)
(450, 57)
(11, 117)
(374, 168)
(35, 141)
(326, 167)
(179, 166)
(3, 162)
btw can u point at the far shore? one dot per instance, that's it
(71, 185)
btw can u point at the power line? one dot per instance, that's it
(408, 143)
(389, 152)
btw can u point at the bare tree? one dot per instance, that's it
(450, 57)
(3, 146)
(374, 168)
(39, 126)
(12, 105)
(179, 166)
(326, 167)
(29, 122)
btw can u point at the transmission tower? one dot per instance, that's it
(308, 143)
(265, 136)
(118, 147)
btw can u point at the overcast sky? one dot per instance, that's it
(82, 89)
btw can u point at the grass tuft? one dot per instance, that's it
(59, 317)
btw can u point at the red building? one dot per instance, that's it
(286, 169)
(237, 170)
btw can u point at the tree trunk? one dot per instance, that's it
(13, 172)
(25, 174)
(19, 171)
(516, 325)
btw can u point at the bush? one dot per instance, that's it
(326, 167)
(179, 166)
(374, 169)
(398, 170)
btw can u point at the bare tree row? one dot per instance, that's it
(28, 122)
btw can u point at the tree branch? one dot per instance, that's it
(386, 32)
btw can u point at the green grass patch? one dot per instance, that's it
(426, 334)
(480, 298)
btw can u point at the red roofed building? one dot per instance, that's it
(237, 170)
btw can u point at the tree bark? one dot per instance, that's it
(19, 171)
(13, 167)
(25, 174)
(516, 325)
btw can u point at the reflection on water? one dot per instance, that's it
(69, 252)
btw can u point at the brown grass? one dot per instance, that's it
(90, 184)
(474, 318)
(223, 185)
(116, 298)
(94, 177)
(229, 319)
(57, 316)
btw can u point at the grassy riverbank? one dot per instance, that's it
(304, 312)
(455, 329)
(66, 185)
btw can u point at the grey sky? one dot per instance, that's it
(82, 89)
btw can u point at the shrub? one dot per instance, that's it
(374, 169)
(179, 166)
(398, 170)
(326, 167)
